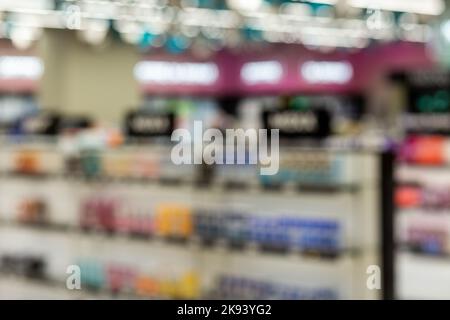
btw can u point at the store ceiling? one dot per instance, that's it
(179, 24)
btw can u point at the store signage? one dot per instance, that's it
(261, 72)
(176, 73)
(428, 92)
(20, 67)
(428, 102)
(326, 72)
(145, 124)
(314, 123)
(42, 124)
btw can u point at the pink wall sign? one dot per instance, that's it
(20, 71)
(277, 70)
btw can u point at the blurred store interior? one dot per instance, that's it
(91, 91)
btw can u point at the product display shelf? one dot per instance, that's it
(13, 287)
(425, 175)
(348, 204)
(423, 229)
(194, 243)
(422, 276)
(208, 263)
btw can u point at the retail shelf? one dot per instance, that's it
(193, 243)
(189, 185)
(415, 174)
(63, 248)
(16, 287)
(350, 202)
(64, 197)
(422, 276)
(404, 248)
(423, 211)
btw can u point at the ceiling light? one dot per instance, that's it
(23, 37)
(427, 7)
(245, 5)
(95, 31)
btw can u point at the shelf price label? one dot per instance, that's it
(146, 124)
(314, 123)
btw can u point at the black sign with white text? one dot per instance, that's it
(47, 124)
(314, 123)
(428, 101)
(145, 124)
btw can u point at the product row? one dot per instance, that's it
(426, 150)
(176, 221)
(427, 197)
(294, 167)
(123, 280)
(423, 233)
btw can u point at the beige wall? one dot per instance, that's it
(80, 78)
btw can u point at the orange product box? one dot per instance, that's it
(408, 197)
(163, 220)
(27, 161)
(182, 222)
(147, 286)
(429, 150)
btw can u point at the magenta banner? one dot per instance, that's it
(276, 70)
